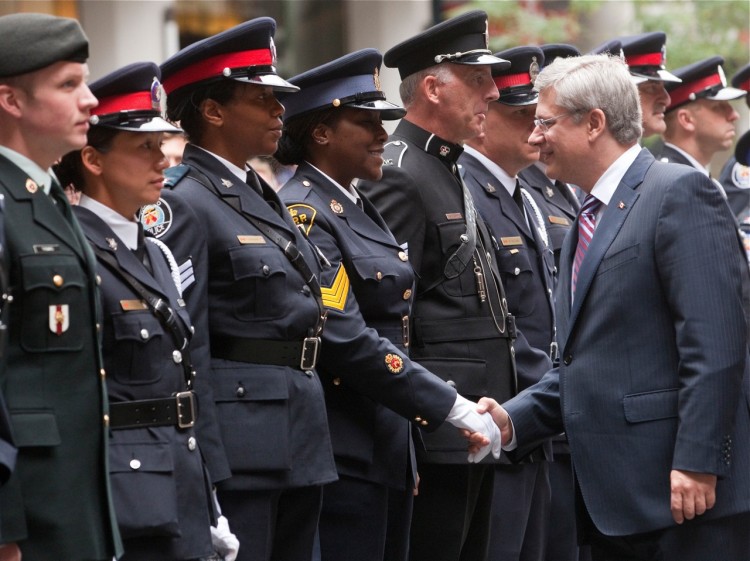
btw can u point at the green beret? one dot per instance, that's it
(31, 42)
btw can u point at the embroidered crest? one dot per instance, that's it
(336, 206)
(31, 186)
(394, 363)
(741, 176)
(112, 243)
(304, 216)
(156, 218)
(59, 319)
(445, 150)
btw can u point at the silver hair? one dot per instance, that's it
(591, 82)
(408, 88)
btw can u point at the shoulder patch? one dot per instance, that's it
(303, 216)
(394, 153)
(156, 218)
(741, 176)
(335, 296)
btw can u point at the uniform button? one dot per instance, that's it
(464, 238)
(192, 444)
(57, 280)
(407, 293)
(417, 419)
(135, 464)
(337, 381)
(144, 333)
(106, 420)
(306, 290)
(402, 255)
(240, 392)
(516, 271)
(192, 329)
(266, 270)
(451, 383)
(424, 423)
(98, 280)
(379, 275)
(306, 183)
(177, 356)
(568, 359)
(102, 373)
(98, 327)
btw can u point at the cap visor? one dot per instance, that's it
(658, 76)
(277, 83)
(388, 111)
(519, 99)
(727, 94)
(155, 124)
(481, 58)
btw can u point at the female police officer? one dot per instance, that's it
(161, 490)
(333, 131)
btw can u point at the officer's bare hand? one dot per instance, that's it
(499, 415)
(10, 552)
(692, 494)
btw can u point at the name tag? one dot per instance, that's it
(46, 248)
(511, 240)
(559, 220)
(453, 216)
(133, 305)
(251, 240)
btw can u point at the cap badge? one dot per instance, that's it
(621, 205)
(112, 243)
(445, 150)
(533, 69)
(158, 99)
(376, 78)
(394, 363)
(272, 48)
(336, 206)
(31, 186)
(486, 34)
(664, 54)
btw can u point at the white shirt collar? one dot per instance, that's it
(499, 173)
(607, 184)
(350, 193)
(697, 165)
(126, 230)
(30, 168)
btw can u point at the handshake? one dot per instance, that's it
(484, 424)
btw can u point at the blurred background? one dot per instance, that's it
(311, 32)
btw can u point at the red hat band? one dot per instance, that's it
(645, 59)
(138, 101)
(683, 93)
(510, 80)
(215, 66)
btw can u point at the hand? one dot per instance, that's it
(500, 416)
(10, 552)
(692, 494)
(224, 541)
(463, 415)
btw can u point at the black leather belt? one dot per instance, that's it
(295, 354)
(178, 410)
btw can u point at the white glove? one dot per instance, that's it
(224, 541)
(464, 415)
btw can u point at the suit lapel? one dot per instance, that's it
(610, 223)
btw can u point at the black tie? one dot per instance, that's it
(140, 249)
(518, 197)
(252, 180)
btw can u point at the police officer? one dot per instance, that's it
(460, 326)
(333, 132)
(162, 496)
(646, 57)
(8, 452)
(249, 280)
(558, 201)
(56, 505)
(700, 120)
(521, 501)
(735, 177)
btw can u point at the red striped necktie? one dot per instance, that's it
(586, 227)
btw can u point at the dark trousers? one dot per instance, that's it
(273, 525)
(364, 521)
(723, 539)
(452, 513)
(562, 537)
(520, 512)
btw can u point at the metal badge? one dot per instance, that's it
(549, 191)
(445, 150)
(158, 99)
(112, 243)
(31, 186)
(376, 78)
(227, 183)
(272, 48)
(533, 69)
(394, 363)
(336, 206)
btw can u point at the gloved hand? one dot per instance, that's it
(224, 541)
(464, 415)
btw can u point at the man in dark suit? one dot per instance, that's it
(700, 120)
(653, 389)
(459, 324)
(491, 162)
(56, 504)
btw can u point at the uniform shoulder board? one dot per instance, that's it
(394, 153)
(173, 175)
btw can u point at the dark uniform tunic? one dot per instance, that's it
(459, 324)
(372, 388)
(7, 450)
(56, 504)
(160, 487)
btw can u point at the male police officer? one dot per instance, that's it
(735, 177)
(460, 324)
(56, 505)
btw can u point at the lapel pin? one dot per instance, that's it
(621, 205)
(31, 186)
(336, 206)
(226, 183)
(112, 243)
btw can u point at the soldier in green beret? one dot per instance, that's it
(56, 505)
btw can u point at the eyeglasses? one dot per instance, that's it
(545, 124)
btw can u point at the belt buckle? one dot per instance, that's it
(310, 346)
(179, 397)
